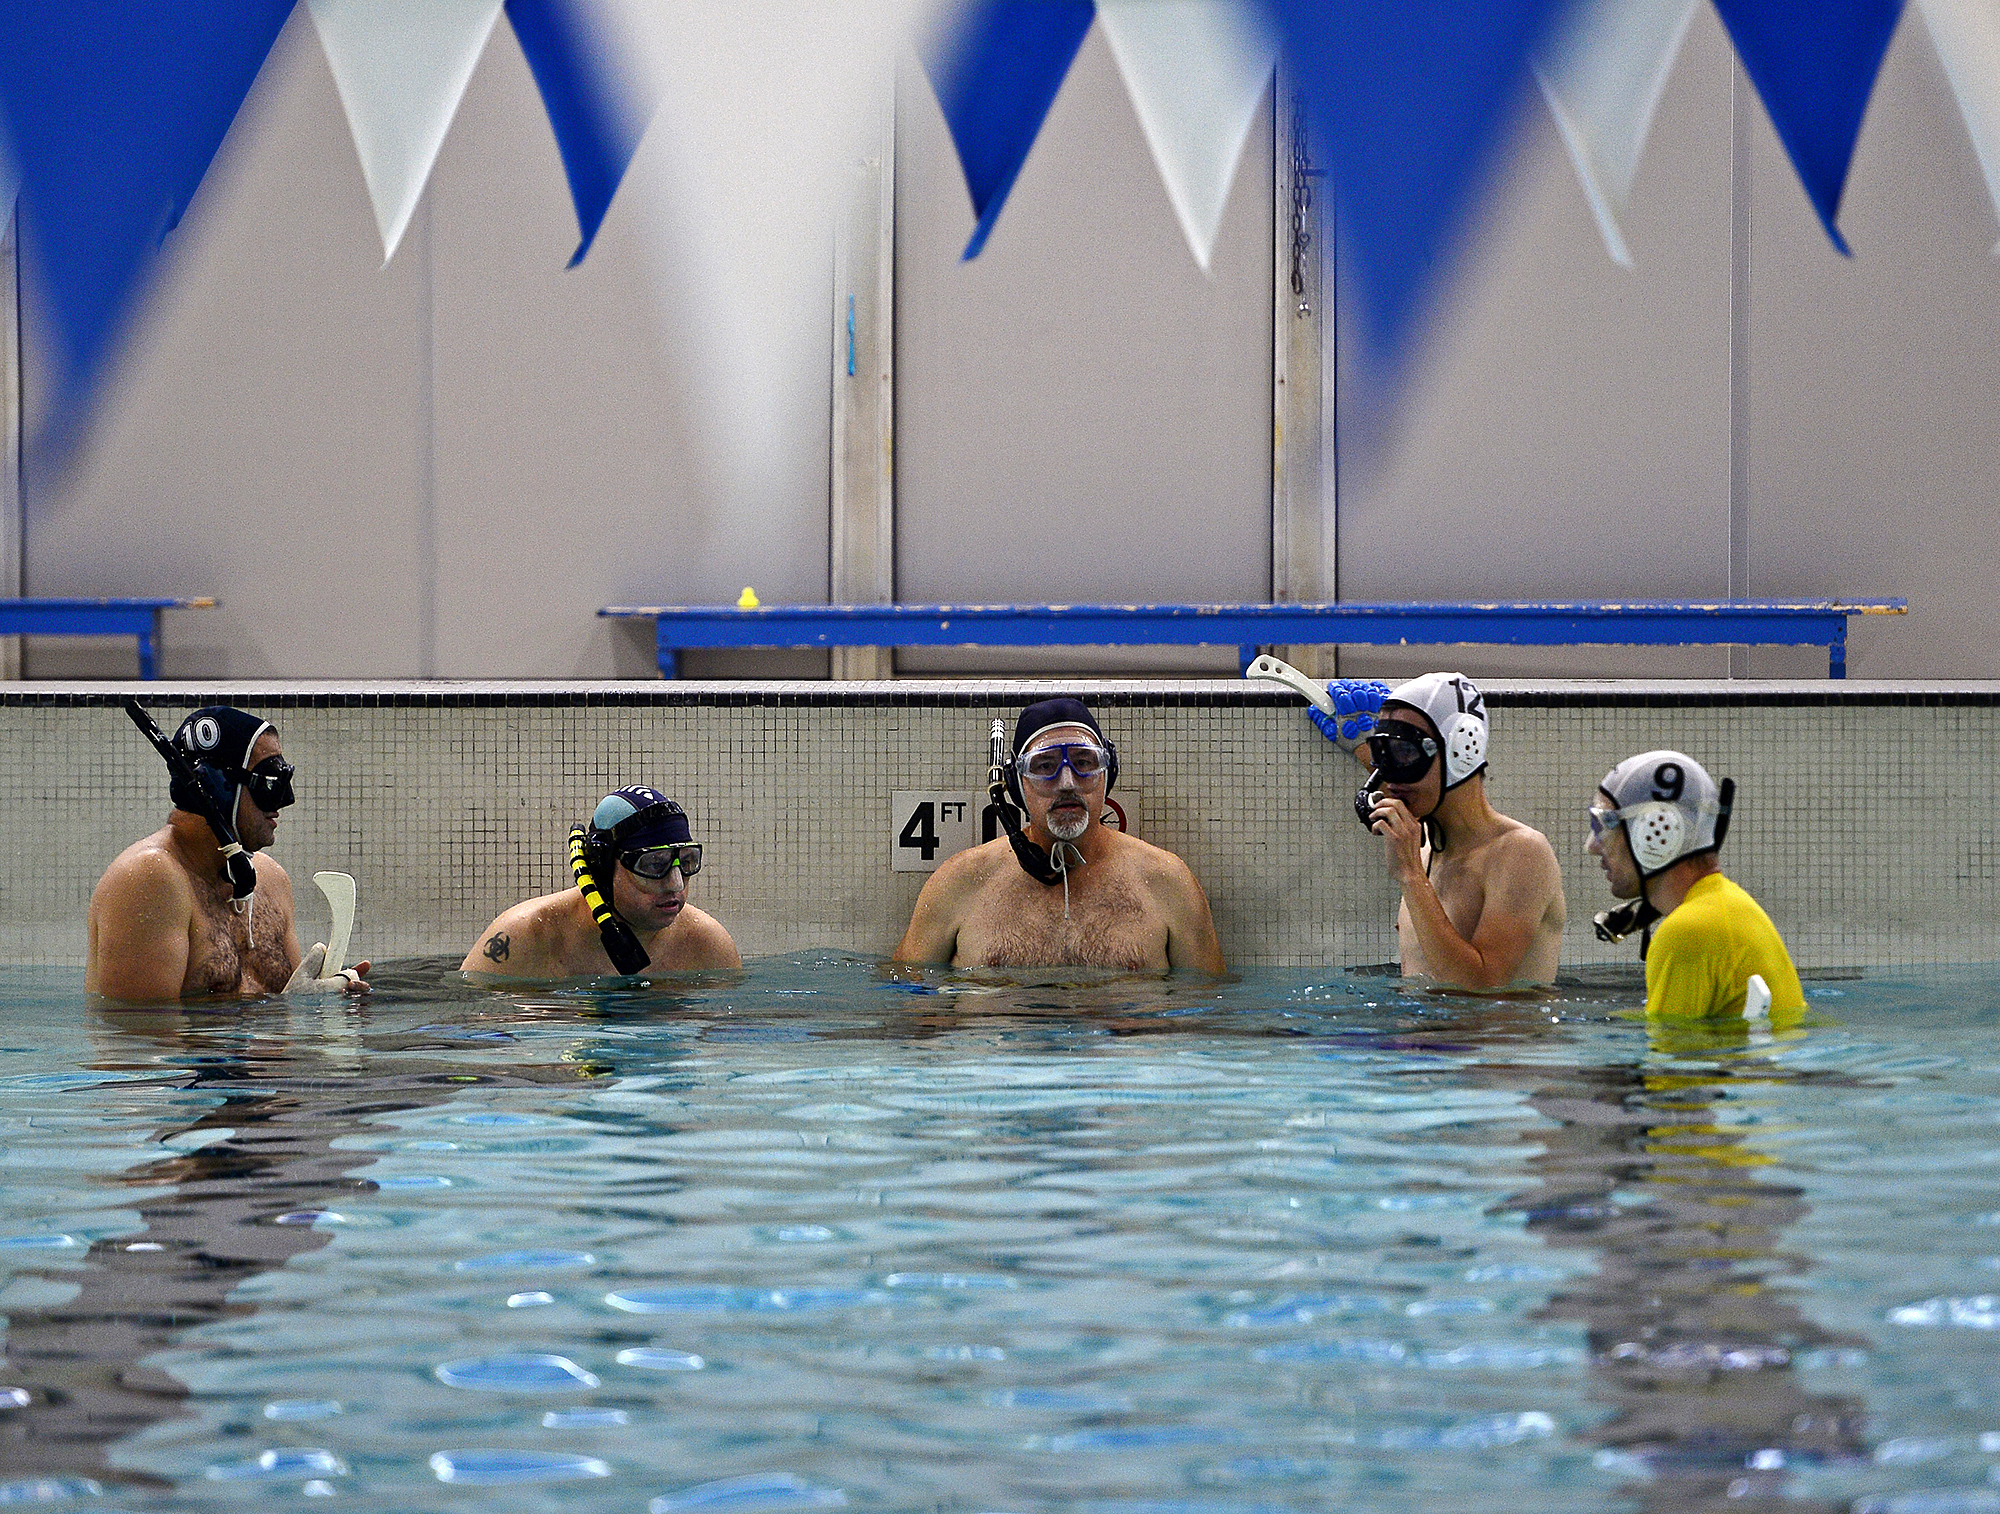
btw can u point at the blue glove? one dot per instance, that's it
(1356, 702)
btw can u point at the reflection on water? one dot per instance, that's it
(830, 1237)
(1694, 1337)
(246, 1191)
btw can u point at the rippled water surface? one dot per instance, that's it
(813, 1239)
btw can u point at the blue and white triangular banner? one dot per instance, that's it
(1967, 36)
(1196, 70)
(996, 72)
(1603, 75)
(1814, 66)
(401, 71)
(599, 104)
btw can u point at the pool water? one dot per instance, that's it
(810, 1238)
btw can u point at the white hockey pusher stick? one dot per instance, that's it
(340, 893)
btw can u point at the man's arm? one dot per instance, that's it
(1191, 943)
(1518, 887)
(932, 939)
(519, 944)
(712, 946)
(139, 919)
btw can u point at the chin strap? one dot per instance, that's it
(620, 944)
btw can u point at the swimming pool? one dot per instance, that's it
(812, 1239)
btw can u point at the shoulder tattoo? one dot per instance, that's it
(496, 946)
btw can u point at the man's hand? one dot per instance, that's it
(306, 976)
(1402, 838)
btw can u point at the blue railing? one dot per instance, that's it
(1788, 623)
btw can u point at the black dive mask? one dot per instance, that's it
(1401, 752)
(269, 784)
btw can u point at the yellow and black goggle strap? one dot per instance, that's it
(620, 944)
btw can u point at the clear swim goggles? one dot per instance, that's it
(657, 861)
(1086, 759)
(1602, 820)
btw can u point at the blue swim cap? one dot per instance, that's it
(637, 817)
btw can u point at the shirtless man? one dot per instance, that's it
(1097, 898)
(163, 920)
(639, 842)
(1485, 909)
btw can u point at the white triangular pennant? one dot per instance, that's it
(401, 67)
(1195, 70)
(1603, 78)
(1967, 36)
(765, 109)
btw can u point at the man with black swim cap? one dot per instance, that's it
(197, 909)
(629, 911)
(1063, 890)
(1482, 894)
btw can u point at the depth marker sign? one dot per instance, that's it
(926, 828)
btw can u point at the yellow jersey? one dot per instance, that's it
(1703, 954)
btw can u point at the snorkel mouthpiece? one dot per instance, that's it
(620, 944)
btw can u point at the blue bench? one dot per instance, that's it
(95, 617)
(1787, 623)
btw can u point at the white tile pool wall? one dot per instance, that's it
(1866, 827)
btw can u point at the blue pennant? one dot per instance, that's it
(1814, 63)
(1409, 101)
(594, 135)
(996, 78)
(113, 110)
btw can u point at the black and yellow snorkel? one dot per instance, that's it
(620, 944)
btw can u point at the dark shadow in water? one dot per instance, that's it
(241, 1206)
(1694, 1341)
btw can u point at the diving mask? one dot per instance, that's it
(1086, 759)
(269, 784)
(656, 862)
(1401, 752)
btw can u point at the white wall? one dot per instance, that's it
(447, 465)
(1745, 411)
(1081, 414)
(444, 466)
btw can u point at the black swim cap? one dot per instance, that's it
(1039, 717)
(217, 739)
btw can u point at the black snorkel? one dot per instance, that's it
(237, 865)
(621, 945)
(1614, 925)
(1034, 861)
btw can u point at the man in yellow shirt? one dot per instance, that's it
(1656, 831)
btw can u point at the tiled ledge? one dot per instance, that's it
(965, 693)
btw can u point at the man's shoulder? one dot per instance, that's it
(543, 917)
(147, 866)
(704, 935)
(974, 867)
(1155, 863)
(1716, 908)
(1522, 850)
